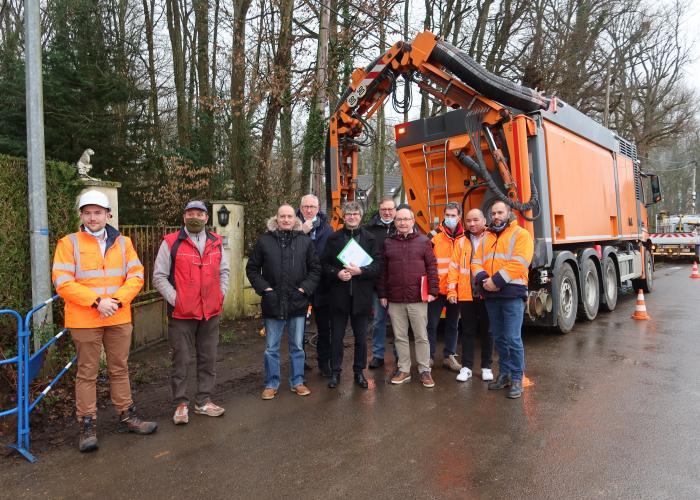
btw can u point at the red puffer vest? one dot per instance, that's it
(195, 277)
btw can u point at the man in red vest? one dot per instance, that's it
(191, 272)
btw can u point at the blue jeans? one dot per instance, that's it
(273, 336)
(378, 328)
(451, 325)
(506, 319)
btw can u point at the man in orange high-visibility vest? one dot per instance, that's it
(98, 274)
(500, 266)
(445, 238)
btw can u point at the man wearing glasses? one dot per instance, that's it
(350, 291)
(381, 226)
(408, 262)
(315, 226)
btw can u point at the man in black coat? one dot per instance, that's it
(285, 270)
(315, 226)
(381, 226)
(350, 291)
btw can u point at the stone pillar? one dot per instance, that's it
(111, 190)
(232, 235)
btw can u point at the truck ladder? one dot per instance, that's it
(433, 166)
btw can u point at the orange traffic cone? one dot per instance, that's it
(695, 273)
(640, 311)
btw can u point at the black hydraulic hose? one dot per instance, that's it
(532, 204)
(486, 83)
(469, 191)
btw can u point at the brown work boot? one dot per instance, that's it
(88, 435)
(269, 393)
(301, 390)
(130, 422)
(401, 378)
(427, 380)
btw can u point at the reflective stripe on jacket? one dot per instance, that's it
(505, 258)
(459, 283)
(81, 274)
(443, 247)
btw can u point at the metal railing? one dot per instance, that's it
(147, 241)
(28, 367)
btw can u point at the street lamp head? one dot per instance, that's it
(222, 215)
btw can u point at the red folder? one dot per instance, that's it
(424, 288)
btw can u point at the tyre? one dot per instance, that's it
(646, 284)
(610, 285)
(566, 291)
(590, 291)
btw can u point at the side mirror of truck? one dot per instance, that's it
(655, 188)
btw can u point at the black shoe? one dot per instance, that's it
(88, 435)
(326, 371)
(501, 382)
(334, 381)
(376, 363)
(516, 389)
(361, 380)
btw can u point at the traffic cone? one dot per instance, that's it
(640, 311)
(695, 274)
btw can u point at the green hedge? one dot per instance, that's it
(62, 187)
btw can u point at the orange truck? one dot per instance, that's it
(575, 185)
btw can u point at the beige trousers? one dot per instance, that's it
(88, 342)
(415, 315)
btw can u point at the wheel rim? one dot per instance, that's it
(566, 296)
(590, 289)
(650, 276)
(610, 284)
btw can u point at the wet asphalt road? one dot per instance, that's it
(613, 413)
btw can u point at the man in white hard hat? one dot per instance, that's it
(98, 273)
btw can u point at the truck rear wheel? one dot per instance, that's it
(567, 298)
(590, 291)
(647, 283)
(610, 285)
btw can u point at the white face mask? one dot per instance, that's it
(450, 222)
(97, 234)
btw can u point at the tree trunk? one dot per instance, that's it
(205, 115)
(279, 78)
(179, 69)
(148, 8)
(240, 148)
(318, 168)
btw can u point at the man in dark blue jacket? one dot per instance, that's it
(315, 225)
(285, 270)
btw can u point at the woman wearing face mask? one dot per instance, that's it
(444, 238)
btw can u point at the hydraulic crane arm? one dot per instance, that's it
(451, 78)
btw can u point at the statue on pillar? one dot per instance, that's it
(84, 165)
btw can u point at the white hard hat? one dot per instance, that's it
(94, 198)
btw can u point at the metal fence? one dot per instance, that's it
(28, 367)
(147, 241)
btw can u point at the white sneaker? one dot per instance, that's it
(181, 414)
(464, 374)
(486, 374)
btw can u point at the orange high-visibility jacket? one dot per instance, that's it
(443, 246)
(504, 257)
(81, 274)
(459, 278)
